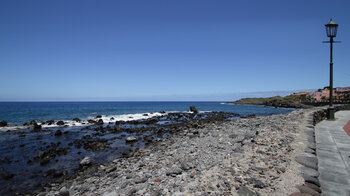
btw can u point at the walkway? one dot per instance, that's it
(333, 154)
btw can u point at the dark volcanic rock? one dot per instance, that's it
(92, 121)
(98, 116)
(37, 127)
(6, 175)
(32, 122)
(193, 109)
(100, 122)
(3, 123)
(76, 119)
(58, 133)
(50, 122)
(60, 123)
(53, 173)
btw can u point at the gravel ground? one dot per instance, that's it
(245, 156)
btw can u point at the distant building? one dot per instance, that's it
(323, 94)
(343, 89)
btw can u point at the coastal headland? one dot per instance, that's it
(290, 101)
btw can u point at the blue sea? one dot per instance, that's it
(17, 113)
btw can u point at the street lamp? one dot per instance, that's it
(331, 29)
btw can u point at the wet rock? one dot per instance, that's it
(6, 175)
(37, 127)
(60, 123)
(58, 133)
(100, 122)
(92, 121)
(3, 123)
(193, 109)
(50, 122)
(32, 122)
(53, 173)
(86, 161)
(5, 160)
(98, 116)
(76, 119)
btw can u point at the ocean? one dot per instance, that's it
(17, 113)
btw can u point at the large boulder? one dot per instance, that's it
(193, 109)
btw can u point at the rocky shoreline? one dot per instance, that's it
(276, 104)
(38, 155)
(245, 156)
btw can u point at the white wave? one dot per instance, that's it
(106, 119)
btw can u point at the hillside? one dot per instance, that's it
(289, 101)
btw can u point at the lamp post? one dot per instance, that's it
(331, 29)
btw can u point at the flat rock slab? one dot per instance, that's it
(307, 161)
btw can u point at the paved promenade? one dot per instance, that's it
(333, 154)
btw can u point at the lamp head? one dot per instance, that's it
(331, 29)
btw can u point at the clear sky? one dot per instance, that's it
(167, 49)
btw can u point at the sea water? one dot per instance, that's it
(17, 113)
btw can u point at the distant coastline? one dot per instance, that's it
(290, 101)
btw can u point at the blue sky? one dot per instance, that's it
(62, 50)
